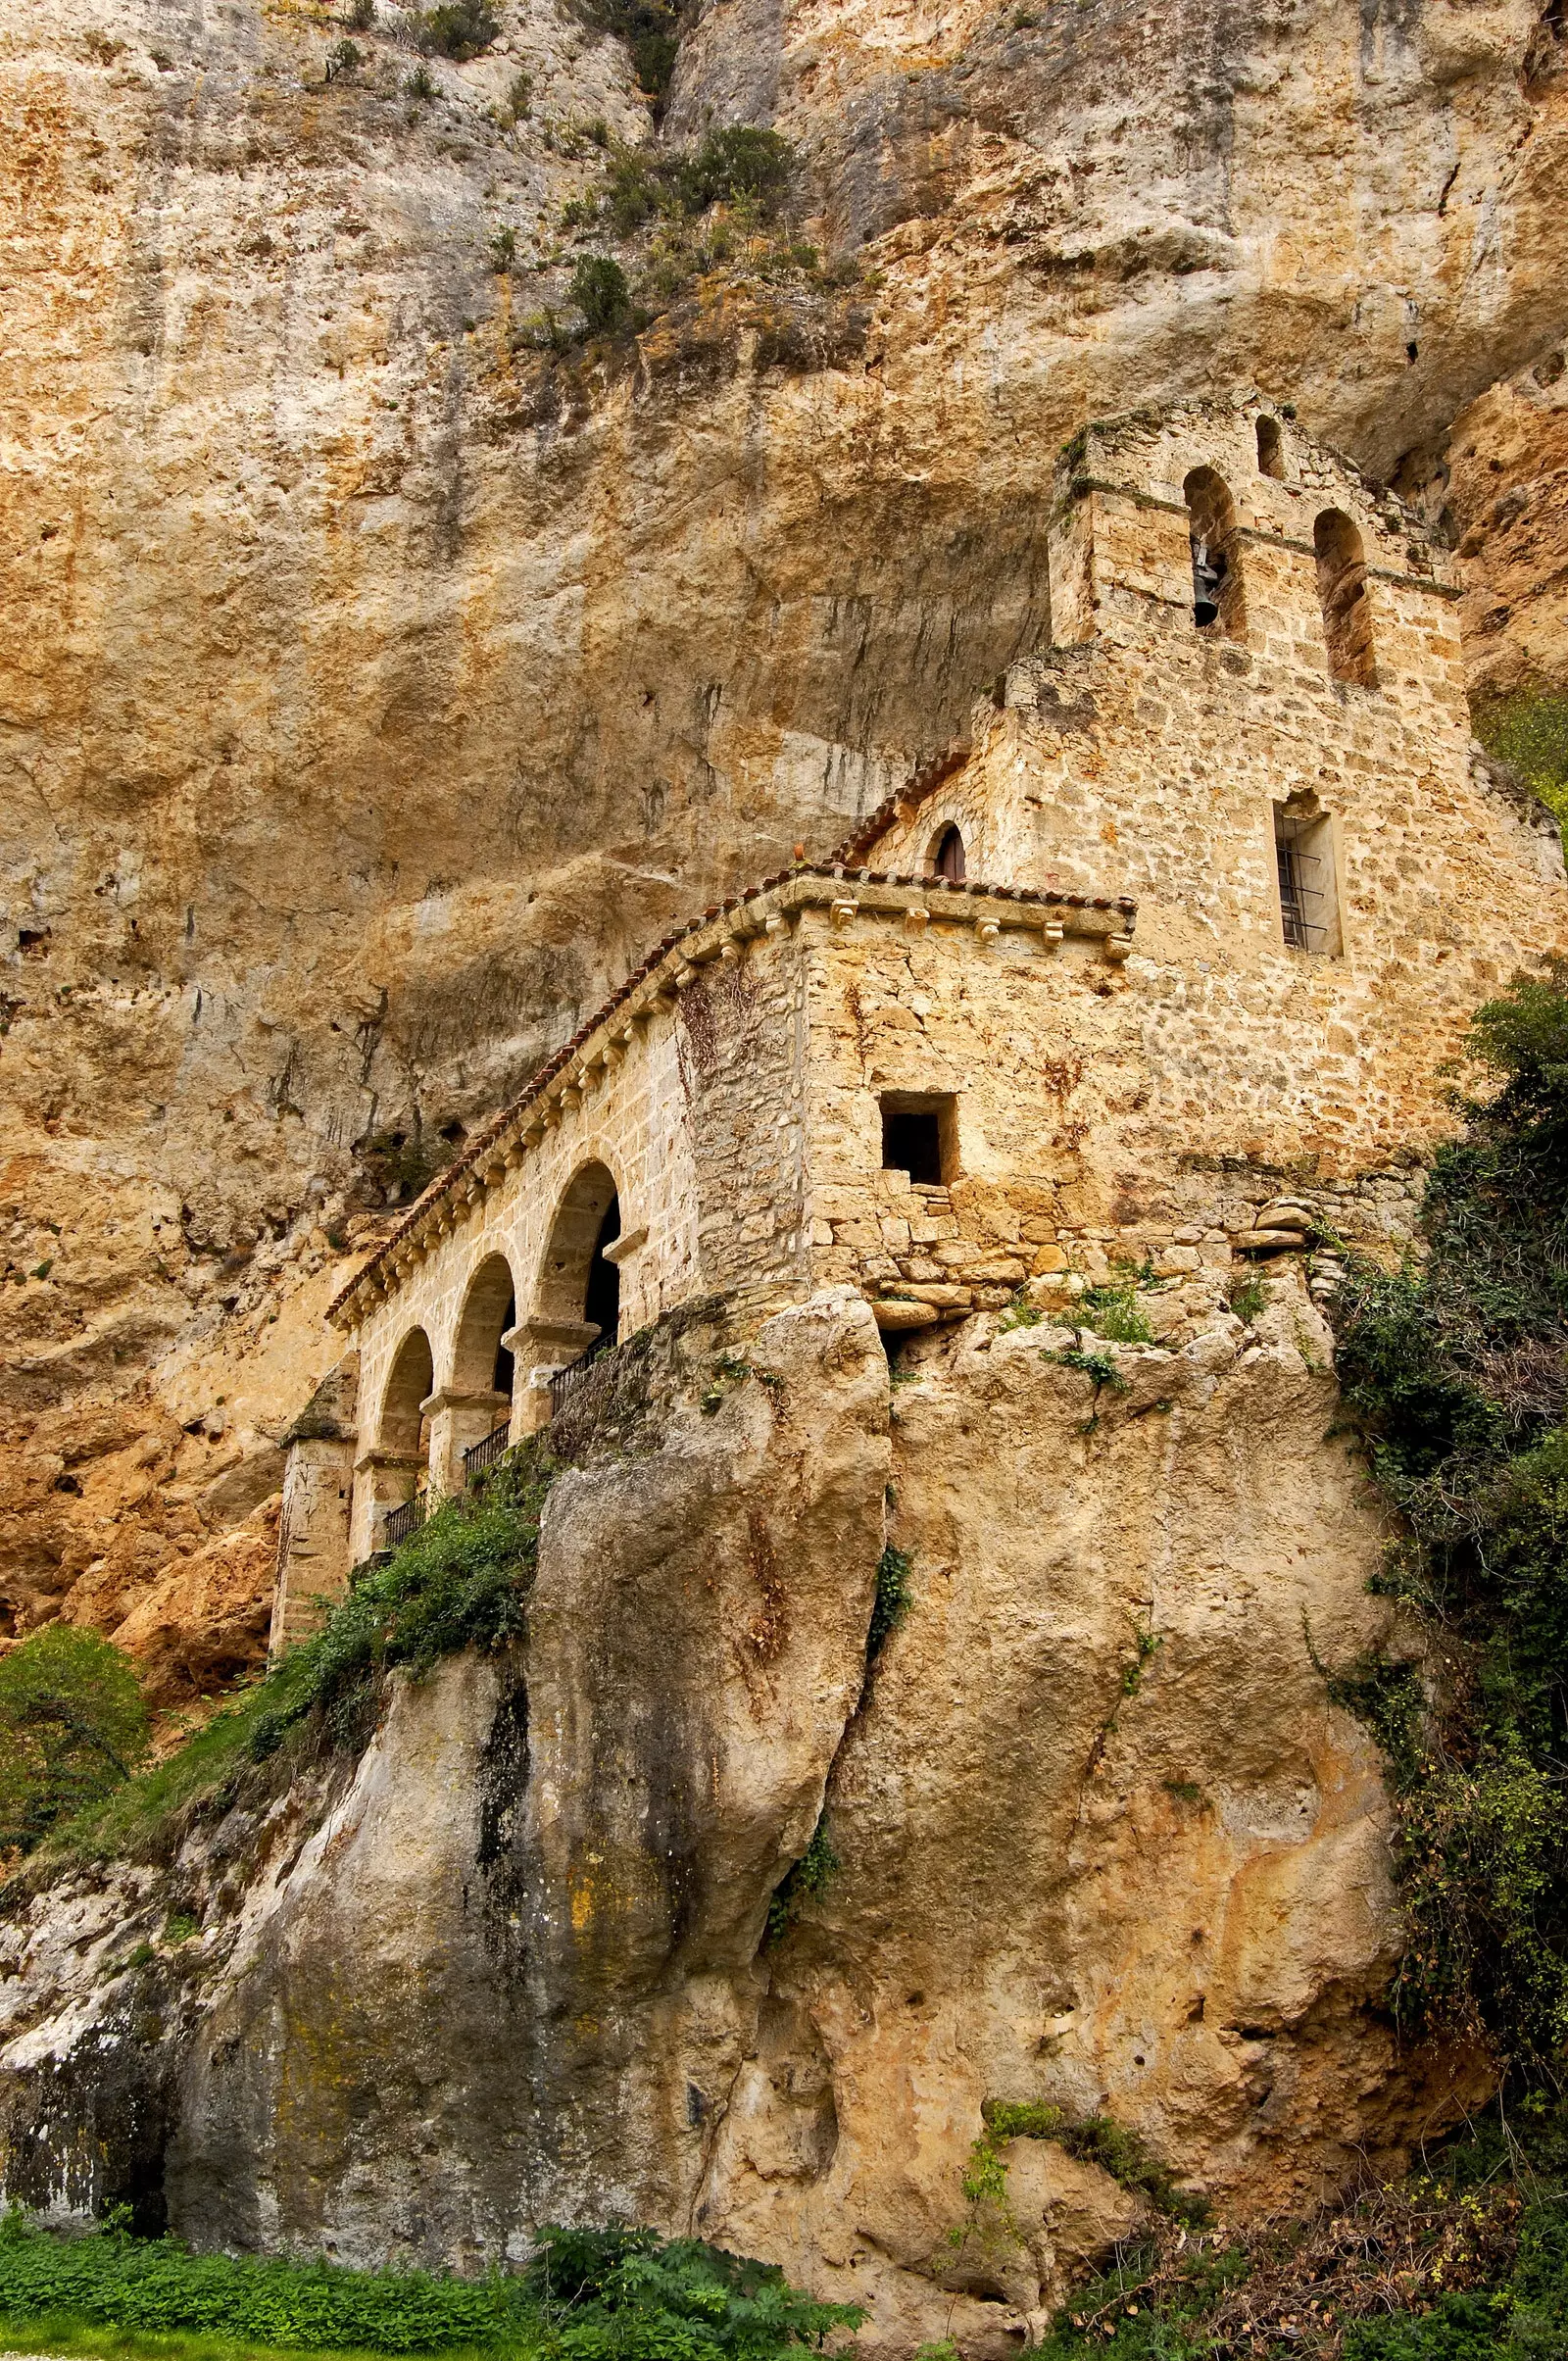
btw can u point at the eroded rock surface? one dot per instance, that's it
(1100, 1841)
(374, 690)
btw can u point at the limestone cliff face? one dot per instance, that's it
(1100, 1841)
(373, 689)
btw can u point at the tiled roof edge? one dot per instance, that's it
(837, 868)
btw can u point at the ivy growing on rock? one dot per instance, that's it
(1457, 1372)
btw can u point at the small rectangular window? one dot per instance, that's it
(919, 1136)
(1309, 901)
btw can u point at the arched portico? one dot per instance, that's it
(389, 1473)
(576, 1302)
(477, 1397)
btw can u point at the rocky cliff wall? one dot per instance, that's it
(1100, 1840)
(373, 686)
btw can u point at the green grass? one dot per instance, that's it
(66, 2333)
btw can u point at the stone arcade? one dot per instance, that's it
(1210, 891)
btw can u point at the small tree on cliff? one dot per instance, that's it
(73, 1725)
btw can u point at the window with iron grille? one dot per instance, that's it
(1304, 855)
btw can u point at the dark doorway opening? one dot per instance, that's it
(501, 1381)
(603, 1299)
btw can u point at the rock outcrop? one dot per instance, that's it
(1094, 1837)
(374, 685)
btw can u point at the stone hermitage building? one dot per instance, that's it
(1204, 902)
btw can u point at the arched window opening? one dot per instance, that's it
(480, 1361)
(1217, 555)
(1270, 449)
(945, 856)
(579, 1284)
(1342, 588)
(402, 1429)
(602, 1296)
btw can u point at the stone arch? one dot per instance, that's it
(945, 854)
(1218, 600)
(401, 1427)
(578, 1284)
(1342, 588)
(1270, 448)
(480, 1362)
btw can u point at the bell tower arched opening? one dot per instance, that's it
(1342, 588)
(1218, 603)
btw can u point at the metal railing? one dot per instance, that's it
(566, 1381)
(480, 1455)
(403, 1521)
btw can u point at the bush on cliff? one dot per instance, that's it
(72, 1726)
(1457, 1372)
(1528, 728)
(461, 1581)
(589, 2296)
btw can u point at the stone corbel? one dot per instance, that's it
(915, 921)
(775, 925)
(564, 1338)
(1053, 933)
(1116, 948)
(620, 1249)
(448, 1398)
(396, 1462)
(989, 931)
(843, 911)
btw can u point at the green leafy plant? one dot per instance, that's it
(1112, 1309)
(892, 1601)
(502, 248)
(588, 2295)
(359, 15)
(1456, 1372)
(1249, 1297)
(1020, 1313)
(420, 86)
(519, 99)
(600, 291)
(1528, 728)
(343, 61)
(461, 1581)
(806, 1880)
(72, 1728)
(651, 31)
(459, 30)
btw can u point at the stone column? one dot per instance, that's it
(312, 1535)
(456, 1422)
(382, 1481)
(538, 1349)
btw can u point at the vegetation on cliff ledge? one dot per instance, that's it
(1457, 1372)
(461, 1581)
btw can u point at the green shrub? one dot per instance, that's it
(343, 61)
(518, 98)
(461, 1581)
(587, 2296)
(1458, 1373)
(651, 30)
(459, 30)
(360, 16)
(420, 86)
(502, 248)
(601, 294)
(72, 1728)
(1528, 728)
